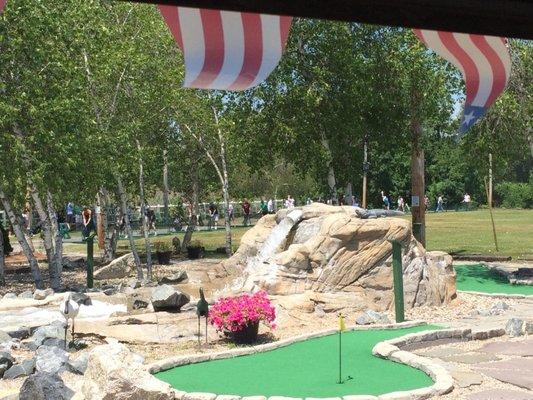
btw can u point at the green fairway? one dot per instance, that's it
(305, 369)
(478, 278)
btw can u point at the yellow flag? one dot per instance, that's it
(342, 325)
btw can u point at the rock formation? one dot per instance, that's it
(339, 260)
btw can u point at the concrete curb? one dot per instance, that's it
(388, 349)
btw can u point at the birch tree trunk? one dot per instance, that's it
(2, 259)
(46, 226)
(34, 265)
(193, 220)
(129, 232)
(147, 243)
(58, 239)
(332, 182)
(165, 187)
(110, 232)
(225, 185)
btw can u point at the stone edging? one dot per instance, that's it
(498, 295)
(388, 349)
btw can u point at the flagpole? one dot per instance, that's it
(340, 356)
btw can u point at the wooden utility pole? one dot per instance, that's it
(366, 167)
(418, 207)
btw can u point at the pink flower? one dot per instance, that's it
(232, 314)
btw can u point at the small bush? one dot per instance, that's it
(514, 194)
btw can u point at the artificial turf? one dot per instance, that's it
(305, 369)
(478, 278)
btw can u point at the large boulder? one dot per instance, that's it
(44, 386)
(114, 373)
(6, 362)
(330, 252)
(51, 359)
(25, 368)
(118, 268)
(166, 298)
(56, 330)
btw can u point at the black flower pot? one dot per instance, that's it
(194, 252)
(163, 257)
(247, 335)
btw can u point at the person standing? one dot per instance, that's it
(211, 215)
(246, 208)
(386, 202)
(270, 206)
(467, 200)
(231, 214)
(440, 202)
(70, 213)
(400, 204)
(263, 207)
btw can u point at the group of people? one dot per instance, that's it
(401, 203)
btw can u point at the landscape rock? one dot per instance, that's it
(529, 327)
(50, 359)
(139, 304)
(6, 362)
(8, 296)
(28, 294)
(79, 365)
(25, 368)
(331, 251)
(110, 291)
(4, 337)
(134, 283)
(118, 268)
(166, 298)
(514, 327)
(372, 317)
(81, 299)
(55, 330)
(40, 294)
(113, 372)
(178, 277)
(20, 332)
(54, 342)
(44, 386)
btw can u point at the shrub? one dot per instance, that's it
(7, 245)
(232, 314)
(196, 244)
(162, 247)
(515, 195)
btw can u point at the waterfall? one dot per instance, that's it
(278, 235)
(257, 269)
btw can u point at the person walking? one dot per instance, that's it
(246, 208)
(401, 204)
(440, 202)
(231, 214)
(467, 200)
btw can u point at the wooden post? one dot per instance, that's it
(90, 260)
(397, 271)
(365, 170)
(490, 181)
(166, 214)
(489, 202)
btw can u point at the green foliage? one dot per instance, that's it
(515, 194)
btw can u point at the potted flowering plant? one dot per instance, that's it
(238, 317)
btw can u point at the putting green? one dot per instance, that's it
(479, 278)
(305, 369)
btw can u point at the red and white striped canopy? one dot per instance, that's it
(225, 49)
(484, 61)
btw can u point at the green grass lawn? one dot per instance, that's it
(478, 278)
(305, 369)
(468, 232)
